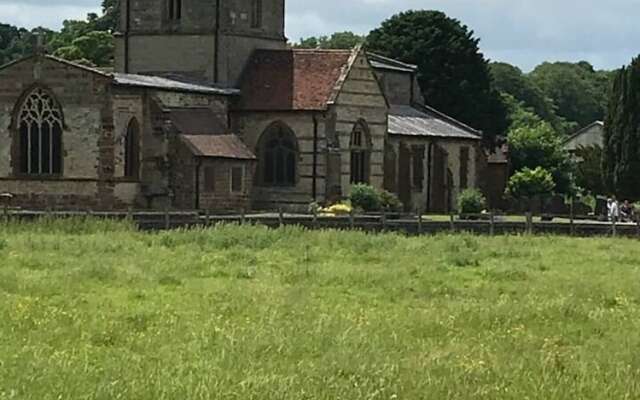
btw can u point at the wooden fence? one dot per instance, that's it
(487, 224)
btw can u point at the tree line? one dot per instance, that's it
(88, 41)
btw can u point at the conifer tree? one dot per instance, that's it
(621, 161)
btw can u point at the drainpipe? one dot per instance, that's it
(198, 167)
(216, 50)
(127, 27)
(315, 158)
(429, 174)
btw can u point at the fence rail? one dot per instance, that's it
(487, 224)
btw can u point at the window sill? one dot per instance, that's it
(38, 177)
(127, 180)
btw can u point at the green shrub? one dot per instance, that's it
(365, 197)
(471, 201)
(528, 183)
(390, 202)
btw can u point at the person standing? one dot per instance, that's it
(613, 209)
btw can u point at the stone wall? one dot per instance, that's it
(419, 195)
(453, 148)
(159, 188)
(88, 137)
(195, 187)
(361, 99)
(251, 125)
(400, 88)
(591, 136)
(191, 56)
(192, 45)
(221, 197)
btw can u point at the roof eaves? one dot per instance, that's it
(392, 62)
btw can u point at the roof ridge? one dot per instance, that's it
(80, 66)
(582, 130)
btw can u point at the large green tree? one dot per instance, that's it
(577, 89)
(621, 159)
(89, 41)
(453, 73)
(534, 143)
(509, 79)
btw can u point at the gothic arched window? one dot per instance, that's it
(279, 156)
(40, 124)
(360, 147)
(132, 150)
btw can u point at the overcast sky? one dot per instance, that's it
(521, 32)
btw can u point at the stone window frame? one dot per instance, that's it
(242, 178)
(132, 150)
(174, 10)
(257, 14)
(15, 130)
(360, 146)
(283, 131)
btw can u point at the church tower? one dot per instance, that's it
(201, 40)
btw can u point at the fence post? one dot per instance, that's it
(452, 223)
(492, 224)
(352, 222)
(280, 217)
(242, 217)
(572, 219)
(167, 219)
(529, 228)
(129, 214)
(420, 227)
(614, 228)
(207, 217)
(384, 221)
(5, 211)
(315, 218)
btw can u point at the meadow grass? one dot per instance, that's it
(97, 310)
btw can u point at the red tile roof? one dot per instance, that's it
(218, 146)
(292, 79)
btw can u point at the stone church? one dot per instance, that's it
(208, 108)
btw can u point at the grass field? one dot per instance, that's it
(97, 310)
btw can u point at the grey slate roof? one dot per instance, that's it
(144, 81)
(427, 122)
(156, 82)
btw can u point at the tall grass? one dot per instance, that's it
(97, 310)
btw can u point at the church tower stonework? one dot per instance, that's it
(207, 41)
